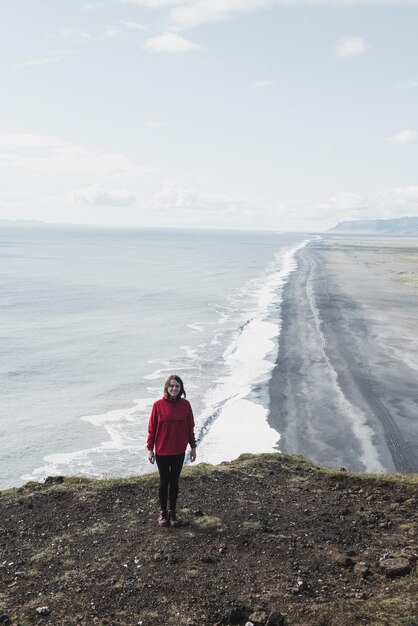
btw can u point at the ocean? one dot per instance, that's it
(93, 320)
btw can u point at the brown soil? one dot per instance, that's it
(270, 539)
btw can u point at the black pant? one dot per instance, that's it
(169, 468)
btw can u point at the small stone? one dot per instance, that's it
(362, 570)
(54, 480)
(394, 568)
(235, 615)
(258, 618)
(361, 595)
(208, 558)
(43, 610)
(275, 619)
(343, 560)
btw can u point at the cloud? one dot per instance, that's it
(71, 34)
(263, 84)
(404, 137)
(350, 47)
(108, 34)
(181, 14)
(54, 57)
(96, 195)
(201, 11)
(189, 13)
(133, 25)
(409, 84)
(76, 36)
(49, 155)
(169, 43)
(386, 203)
(171, 197)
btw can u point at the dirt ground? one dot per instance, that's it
(268, 539)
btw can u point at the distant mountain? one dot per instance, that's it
(397, 226)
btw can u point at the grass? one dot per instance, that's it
(293, 464)
(209, 523)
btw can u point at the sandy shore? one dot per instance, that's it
(344, 391)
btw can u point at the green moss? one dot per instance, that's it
(4, 600)
(251, 527)
(209, 523)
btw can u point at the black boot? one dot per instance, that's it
(173, 518)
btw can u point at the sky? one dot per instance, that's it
(249, 114)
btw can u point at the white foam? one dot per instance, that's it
(197, 328)
(233, 423)
(119, 443)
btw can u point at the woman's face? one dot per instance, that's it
(173, 388)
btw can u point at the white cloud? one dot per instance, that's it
(71, 34)
(409, 84)
(96, 195)
(404, 137)
(107, 34)
(49, 155)
(262, 84)
(171, 197)
(201, 11)
(386, 203)
(169, 43)
(188, 13)
(133, 25)
(350, 47)
(54, 57)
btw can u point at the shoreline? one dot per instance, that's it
(343, 390)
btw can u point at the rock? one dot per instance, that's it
(208, 558)
(276, 619)
(198, 513)
(394, 568)
(362, 570)
(54, 480)
(343, 560)
(43, 610)
(361, 595)
(258, 618)
(235, 615)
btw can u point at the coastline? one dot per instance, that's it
(343, 391)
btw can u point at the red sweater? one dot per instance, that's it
(171, 427)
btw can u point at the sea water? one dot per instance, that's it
(93, 320)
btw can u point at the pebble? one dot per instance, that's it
(43, 610)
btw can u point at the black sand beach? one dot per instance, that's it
(344, 391)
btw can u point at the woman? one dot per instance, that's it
(170, 429)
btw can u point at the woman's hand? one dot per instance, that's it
(151, 456)
(193, 455)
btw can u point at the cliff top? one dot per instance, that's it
(270, 539)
